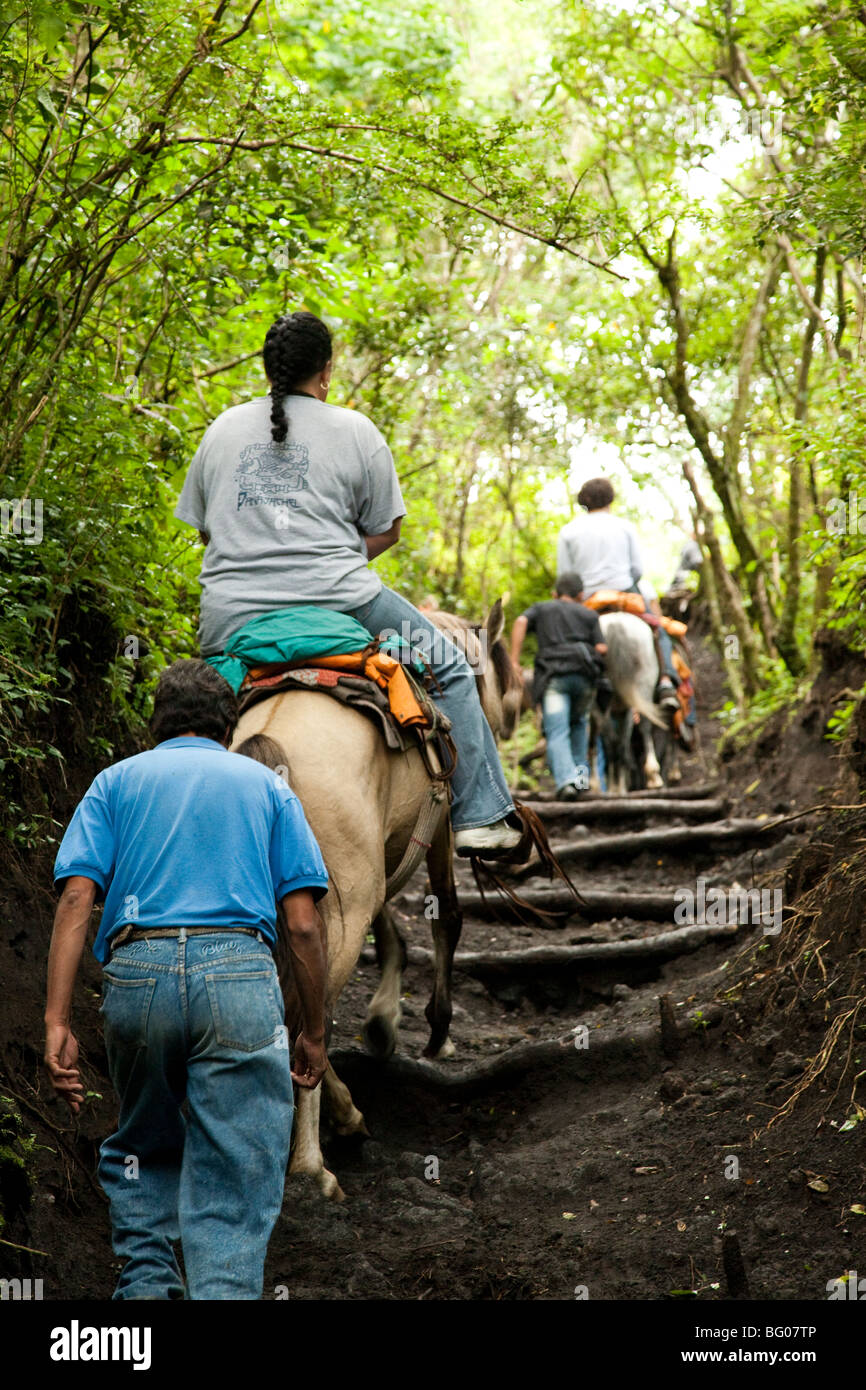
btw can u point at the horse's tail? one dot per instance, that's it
(634, 698)
(264, 749)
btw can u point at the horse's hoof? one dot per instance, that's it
(446, 1050)
(330, 1188)
(380, 1037)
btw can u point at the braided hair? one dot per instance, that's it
(296, 347)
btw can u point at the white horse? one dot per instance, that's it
(632, 669)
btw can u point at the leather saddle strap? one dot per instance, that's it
(421, 838)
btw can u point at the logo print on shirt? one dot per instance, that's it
(268, 473)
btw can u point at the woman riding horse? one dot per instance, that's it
(292, 498)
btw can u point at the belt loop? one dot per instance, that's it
(181, 936)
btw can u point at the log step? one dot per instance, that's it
(632, 843)
(601, 810)
(698, 792)
(661, 947)
(597, 904)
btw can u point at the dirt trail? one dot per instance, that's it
(573, 1143)
(575, 1163)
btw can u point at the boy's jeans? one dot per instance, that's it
(481, 794)
(565, 708)
(199, 1019)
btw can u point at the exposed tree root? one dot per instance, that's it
(630, 844)
(603, 811)
(818, 963)
(663, 946)
(637, 1053)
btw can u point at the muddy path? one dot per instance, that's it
(600, 1129)
(565, 1144)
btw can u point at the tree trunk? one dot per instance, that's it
(786, 637)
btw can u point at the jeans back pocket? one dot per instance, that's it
(246, 1007)
(125, 1008)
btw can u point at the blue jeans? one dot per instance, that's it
(196, 1019)
(666, 647)
(565, 707)
(665, 644)
(481, 794)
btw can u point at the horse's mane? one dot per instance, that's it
(467, 637)
(502, 664)
(491, 663)
(464, 634)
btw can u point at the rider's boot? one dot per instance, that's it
(666, 694)
(487, 840)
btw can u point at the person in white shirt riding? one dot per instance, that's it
(604, 549)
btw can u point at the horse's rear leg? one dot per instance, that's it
(384, 1013)
(447, 924)
(306, 1150)
(652, 771)
(674, 771)
(347, 1117)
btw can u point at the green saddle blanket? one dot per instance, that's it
(298, 633)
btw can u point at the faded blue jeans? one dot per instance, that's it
(196, 1019)
(481, 794)
(565, 707)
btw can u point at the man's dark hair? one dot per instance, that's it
(296, 347)
(569, 585)
(192, 697)
(598, 492)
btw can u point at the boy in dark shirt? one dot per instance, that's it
(568, 667)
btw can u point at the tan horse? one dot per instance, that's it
(362, 801)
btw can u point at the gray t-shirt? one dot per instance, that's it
(286, 521)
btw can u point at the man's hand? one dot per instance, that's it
(310, 1062)
(61, 1059)
(67, 942)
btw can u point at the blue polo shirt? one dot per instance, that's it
(190, 835)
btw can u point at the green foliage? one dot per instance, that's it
(496, 211)
(777, 690)
(17, 1151)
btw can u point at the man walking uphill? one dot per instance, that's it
(568, 667)
(191, 847)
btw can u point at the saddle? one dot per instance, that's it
(376, 685)
(620, 601)
(310, 647)
(384, 689)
